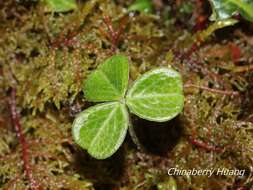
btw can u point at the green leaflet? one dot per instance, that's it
(109, 81)
(204, 34)
(61, 5)
(223, 9)
(157, 95)
(142, 6)
(101, 129)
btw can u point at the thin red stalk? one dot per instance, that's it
(114, 35)
(18, 129)
(122, 26)
(187, 55)
(110, 28)
(1, 120)
(204, 145)
(193, 49)
(64, 41)
(217, 91)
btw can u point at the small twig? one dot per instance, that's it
(122, 26)
(18, 129)
(109, 25)
(217, 91)
(204, 145)
(114, 35)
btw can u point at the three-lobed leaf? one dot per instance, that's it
(223, 9)
(61, 5)
(109, 81)
(157, 95)
(101, 129)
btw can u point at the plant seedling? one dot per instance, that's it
(224, 9)
(156, 96)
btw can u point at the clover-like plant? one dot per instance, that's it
(224, 9)
(156, 96)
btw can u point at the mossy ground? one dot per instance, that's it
(47, 57)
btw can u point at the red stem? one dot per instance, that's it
(213, 90)
(112, 34)
(18, 129)
(110, 28)
(204, 145)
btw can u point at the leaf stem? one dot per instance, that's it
(204, 145)
(18, 129)
(217, 91)
(114, 35)
(133, 136)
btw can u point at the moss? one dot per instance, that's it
(51, 155)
